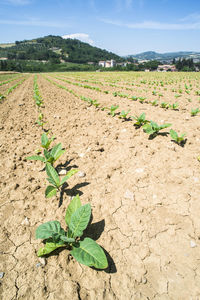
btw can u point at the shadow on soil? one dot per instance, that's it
(71, 192)
(152, 136)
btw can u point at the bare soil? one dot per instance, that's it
(144, 195)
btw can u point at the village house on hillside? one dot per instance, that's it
(165, 68)
(112, 63)
(107, 63)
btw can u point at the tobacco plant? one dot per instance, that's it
(123, 114)
(112, 110)
(54, 180)
(49, 155)
(86, 251)
(194, 112)
(153, 128)
(178, 139)
(140, 121)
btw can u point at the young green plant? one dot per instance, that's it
(153, 128)
(112, 109)
(140, 120)
(178, 139)
(49, 155)
(86, 251)
(54, 180)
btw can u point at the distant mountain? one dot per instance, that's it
(55, 48)
(151, 55)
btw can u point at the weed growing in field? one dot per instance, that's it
(86, 251)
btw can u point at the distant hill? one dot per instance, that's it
(57, 49)
(151, 55)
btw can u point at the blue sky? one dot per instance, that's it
(121, 26)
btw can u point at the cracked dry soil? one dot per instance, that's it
(144, 196)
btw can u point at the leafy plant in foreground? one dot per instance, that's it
(49, 156)
(54, 179)
(86, 251)
(140, 121)
(153, 128)
(178, 139)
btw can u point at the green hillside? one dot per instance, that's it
(56, 49)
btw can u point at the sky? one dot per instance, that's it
(124, 27)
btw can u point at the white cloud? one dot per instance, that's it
(79, 36)
(155, 25)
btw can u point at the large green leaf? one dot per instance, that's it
(49, 229)
(148, 128)
(50, 191)
(48, 248)
(51, 172)
(36, 157)
(79, 220)
(69, 174)
(72, 207)
(89, 253)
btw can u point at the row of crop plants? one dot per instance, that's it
(141, 99)
(86, 251)
(9, 90)
(179, 91)
(164, 105)
(150, 127)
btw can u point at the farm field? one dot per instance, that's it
(143, 188)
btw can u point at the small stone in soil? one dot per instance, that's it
(62, 172)
(25, 222)
(42, 261)
(193, 244)
(81, 174)
(129, 195)
(1, 275)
